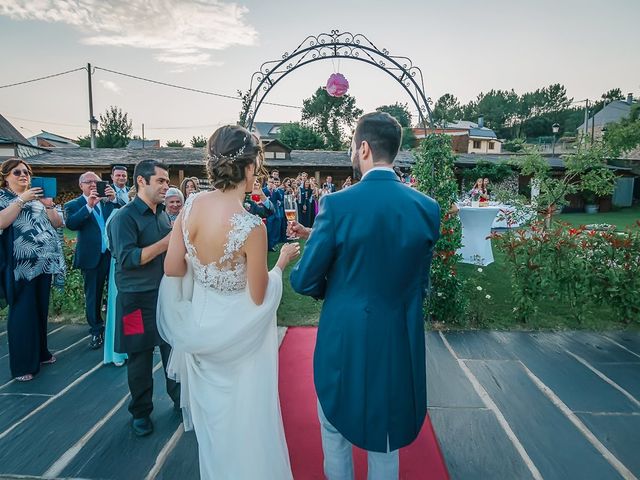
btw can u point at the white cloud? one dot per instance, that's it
(183, 31)
(109, 85)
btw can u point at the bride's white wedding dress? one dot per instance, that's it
(225, 356)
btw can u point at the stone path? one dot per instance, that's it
(504, 405)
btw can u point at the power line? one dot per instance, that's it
(42, 78)
(189, 89)
(49, 123)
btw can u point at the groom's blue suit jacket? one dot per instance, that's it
(369, 257)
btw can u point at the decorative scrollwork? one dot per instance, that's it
(339, 45)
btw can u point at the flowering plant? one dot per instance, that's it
(434, 172)
(586, 268)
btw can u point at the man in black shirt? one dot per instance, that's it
(139, 238)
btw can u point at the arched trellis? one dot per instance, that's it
(336, 45)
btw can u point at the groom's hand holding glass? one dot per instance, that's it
(294, 229)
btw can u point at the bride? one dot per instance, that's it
(217, 308)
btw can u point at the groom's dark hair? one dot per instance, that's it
(382, 132)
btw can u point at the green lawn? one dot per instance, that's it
(622, 218)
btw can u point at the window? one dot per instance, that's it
(490, 145)
(476, 144)
(281, 155)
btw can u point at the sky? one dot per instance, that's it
(462, 47)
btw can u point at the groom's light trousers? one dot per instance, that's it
(338, 456)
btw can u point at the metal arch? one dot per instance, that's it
(337, 45)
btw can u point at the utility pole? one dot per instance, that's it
(586, 117)
(143, 136)
(93, 124)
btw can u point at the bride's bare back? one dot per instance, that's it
(209, 224)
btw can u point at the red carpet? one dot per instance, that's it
(419, 461)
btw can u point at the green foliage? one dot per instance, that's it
(114, 129)
(624, 136)
(300, 137)
(69, 300)
(434, 171)
(409, 139)
(495, 172)
(399, 111)
(245, 98)
(198, 142)
(587, 269)
(515, 145)
(446, 109)
(84, 142)
(175, 144)
(584, 170)
(331, 116)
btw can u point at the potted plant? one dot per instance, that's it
(590, 201)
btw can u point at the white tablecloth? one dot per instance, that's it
(476, 227)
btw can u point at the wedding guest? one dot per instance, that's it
(87, 215)
(279, 206)
(189, 186)
(485, 186)
(119, 184)
(257, 203)
(275, 173)
(273, 221)
(30, 254)
(109, 353)
(329, 185)
(347, 183)
(306, 205)
(478, 189)
(139, 236)
(173, 201)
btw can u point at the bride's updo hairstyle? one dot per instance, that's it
(229, 151)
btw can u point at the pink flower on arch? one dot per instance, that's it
(337, 85)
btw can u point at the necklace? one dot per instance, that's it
(10, 190)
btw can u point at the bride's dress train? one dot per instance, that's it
(225, 356)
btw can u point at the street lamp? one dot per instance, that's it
(555, 128)
(93, 123)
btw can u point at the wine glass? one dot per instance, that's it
(291, 211)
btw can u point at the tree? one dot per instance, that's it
(585, 170)
(624, 136)
(330, 116)
(300, 137)
(435, 171)
(114, 129)
(400, 111)
(198, 142)
(245, 98)
(85, 141)
(447, 109)
(175, 144)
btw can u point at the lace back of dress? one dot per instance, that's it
(228, 274)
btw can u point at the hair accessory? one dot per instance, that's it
(239, 153)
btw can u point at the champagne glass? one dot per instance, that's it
(291, 211)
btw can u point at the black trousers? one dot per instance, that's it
(94, 282)
(27, 326)
(140, 377)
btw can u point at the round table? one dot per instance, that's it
(476, 227)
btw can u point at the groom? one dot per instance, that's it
(369, 257)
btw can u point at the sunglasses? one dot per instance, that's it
(20, 172)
